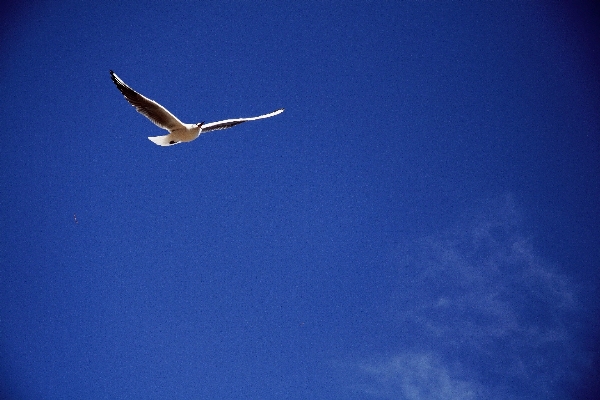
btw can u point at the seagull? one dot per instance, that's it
(178, 131)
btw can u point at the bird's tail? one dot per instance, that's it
(165, 140)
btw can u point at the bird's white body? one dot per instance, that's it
(185, 133)
(178, 131)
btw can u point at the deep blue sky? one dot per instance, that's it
(420, 223)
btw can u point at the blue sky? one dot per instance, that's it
(420, 223)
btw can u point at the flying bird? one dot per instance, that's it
(178, 131)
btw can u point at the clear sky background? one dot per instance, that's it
(420, 223)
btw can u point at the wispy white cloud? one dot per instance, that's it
(413, 376)
(485, 317)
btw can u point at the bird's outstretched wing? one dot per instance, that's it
(228, 123)
(147, 107)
